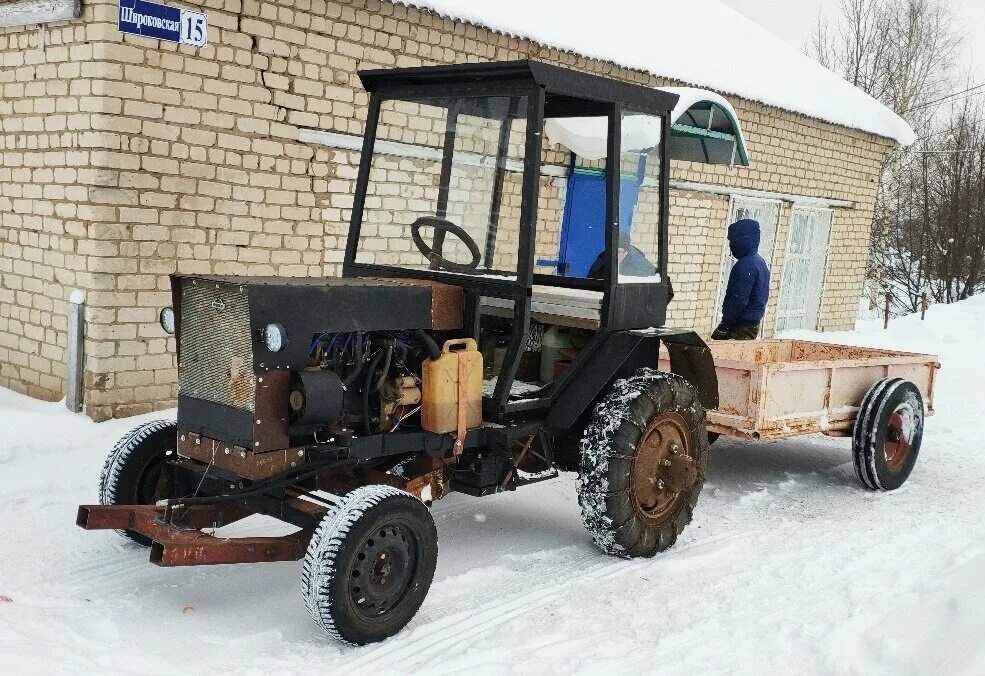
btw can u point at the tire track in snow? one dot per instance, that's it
(469, 624)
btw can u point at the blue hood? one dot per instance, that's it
(743, 237)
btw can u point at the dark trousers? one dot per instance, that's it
(737, 332)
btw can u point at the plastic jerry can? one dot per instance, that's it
(440, 386)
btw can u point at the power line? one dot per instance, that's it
(948, 152)
(950, 130)
(951, 96)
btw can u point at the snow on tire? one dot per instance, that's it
(370, 564)
(888, 433)
(133, 474)
(642, 464)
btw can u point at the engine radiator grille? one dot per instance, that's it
(216, 348)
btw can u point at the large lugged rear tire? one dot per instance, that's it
(370, 564)
(135, 473)
(888, 434)
(643, 464)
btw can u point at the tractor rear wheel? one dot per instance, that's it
(370, 564)
(888, 434)
(642, 464)
(136, 471)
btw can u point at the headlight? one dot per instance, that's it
(167, 320)
(275, 337)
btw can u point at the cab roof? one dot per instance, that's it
(569, 93)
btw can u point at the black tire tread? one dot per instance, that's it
(325, 551)
(135, 448)
(607, 451)
(861, 424)
(868, 430)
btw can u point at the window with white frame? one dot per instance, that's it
(802, 283)
(33, 12)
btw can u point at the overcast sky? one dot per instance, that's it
(793, 21)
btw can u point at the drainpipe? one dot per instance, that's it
(76, 355)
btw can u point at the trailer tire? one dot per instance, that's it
(632, 502)
(134, 473)
(370, 564)
(888, 433)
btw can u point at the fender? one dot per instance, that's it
(618, 354)
(691, 358)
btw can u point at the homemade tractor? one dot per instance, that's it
(445, 359)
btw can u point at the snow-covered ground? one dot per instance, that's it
(789, 567)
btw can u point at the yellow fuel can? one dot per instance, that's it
(456, 373)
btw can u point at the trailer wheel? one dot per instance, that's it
(642, 464)
(888, 433)
(134, 473)
(370, 564)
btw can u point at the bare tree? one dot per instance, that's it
(903, 53)
(934, 237)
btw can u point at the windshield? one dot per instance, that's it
(445, 185)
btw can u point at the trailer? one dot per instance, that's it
(777, 389)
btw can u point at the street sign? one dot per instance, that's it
(154, 20)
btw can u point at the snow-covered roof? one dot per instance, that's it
(700, 42)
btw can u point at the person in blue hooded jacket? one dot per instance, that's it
(748, 285)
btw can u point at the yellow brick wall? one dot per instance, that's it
(51, 124)
(159, 159)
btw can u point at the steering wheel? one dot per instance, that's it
(441, 225)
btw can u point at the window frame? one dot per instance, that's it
(824, 265)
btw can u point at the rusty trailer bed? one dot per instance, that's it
(773, 389)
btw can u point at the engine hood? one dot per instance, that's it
(309, 307)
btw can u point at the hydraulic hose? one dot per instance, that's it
(357, 351)
(387, 360)
(429, 345)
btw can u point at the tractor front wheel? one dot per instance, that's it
(642, 464)
(136, 471)
(370, 564)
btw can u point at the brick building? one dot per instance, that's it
(124, 159)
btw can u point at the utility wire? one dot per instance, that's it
(951, 96)
(947, 152)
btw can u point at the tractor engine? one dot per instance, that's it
(269, 366)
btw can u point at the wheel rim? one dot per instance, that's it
(383, 570)
(899, 436)
(663, 470)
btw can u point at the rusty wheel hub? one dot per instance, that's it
(663, 471)
(899, 436)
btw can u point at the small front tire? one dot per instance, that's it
(136, 471)
(370, 564)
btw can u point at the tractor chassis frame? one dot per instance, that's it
(176, 528)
